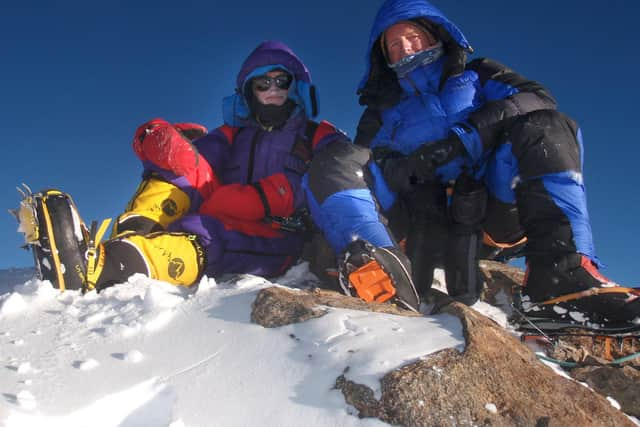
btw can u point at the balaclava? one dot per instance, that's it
(269, 116)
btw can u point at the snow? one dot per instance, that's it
(613, 402)
(145, 353)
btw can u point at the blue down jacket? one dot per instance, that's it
(477, 101)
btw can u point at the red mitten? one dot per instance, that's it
(191, 131)
(163, 145)
(142, 132)
(169, 147)
(271, 196)
(278, 193)
(235, 201)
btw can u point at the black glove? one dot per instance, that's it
(397, 174)
(401, 174)
(425, 160)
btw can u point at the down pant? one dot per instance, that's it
(193, 246)
(233, 252)
(536, 187)
(530, 192)
(158, 237)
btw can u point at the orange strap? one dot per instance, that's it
(372, 283)
(607, 348)
(593, 291)
(487, 240)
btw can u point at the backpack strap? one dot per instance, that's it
(303, 147)
(310, 131)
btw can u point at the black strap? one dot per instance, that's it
(303, 146)
(314, 101)
(310, 131)
(263, 198)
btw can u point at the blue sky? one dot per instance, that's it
(77, 78)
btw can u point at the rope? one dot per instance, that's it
(523, 316)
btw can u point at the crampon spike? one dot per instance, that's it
(22, 193)
(52, 228)
(25, 191)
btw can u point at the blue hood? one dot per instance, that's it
(393, 11)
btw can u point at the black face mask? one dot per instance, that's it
(271, 116)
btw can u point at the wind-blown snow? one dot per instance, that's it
(148, 353)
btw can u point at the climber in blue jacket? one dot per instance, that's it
(467, 161)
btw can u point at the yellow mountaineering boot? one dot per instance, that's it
(176, 258)
(57, 236)
(154, 206)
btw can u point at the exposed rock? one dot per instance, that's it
(496, 380)
(622, 384)
(275, 307)
(359, 396)
(495, 370)
(500, 281)
(278, 306)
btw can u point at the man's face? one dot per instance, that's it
(403, 39)
(272, 88)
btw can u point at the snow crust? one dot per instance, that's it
(148, 353)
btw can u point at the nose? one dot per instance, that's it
(407, 46)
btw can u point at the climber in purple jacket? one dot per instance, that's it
(230, 201)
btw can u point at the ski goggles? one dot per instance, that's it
(264, 83)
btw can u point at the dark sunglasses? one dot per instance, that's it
(263, 83)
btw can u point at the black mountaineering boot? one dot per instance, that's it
(377, 274)
(569, 287)
(561, 282)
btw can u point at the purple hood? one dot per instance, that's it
(271, 54)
